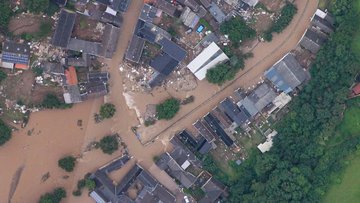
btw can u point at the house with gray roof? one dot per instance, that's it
(15, 55)
(148, 189)
(217, 13)
(287, 74)
(236, 114)
(213, 191)
(312, 41)
(322, 24)
(64, 28)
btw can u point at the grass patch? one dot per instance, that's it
(324, 4)
(345, 187)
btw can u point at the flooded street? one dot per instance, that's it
(30, 158)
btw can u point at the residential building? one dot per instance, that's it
(64, 28)
(15, 55)
(251, 3)
(312, 41)
(287, 74)
(213, 191)
(236, 114)
(266, 146)
(207, 59)
(217, 13)
(218, 130)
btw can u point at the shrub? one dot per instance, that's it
(67, 163)
(5, 133)
(44, 30)
(220, 74)
(81, 184)
(55, 197)
(107, 110)
(77, 193)
(168, 109)
(109, 144)
(3, 75)
(38, 71)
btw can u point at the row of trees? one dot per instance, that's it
(286, 15)
(306, 152)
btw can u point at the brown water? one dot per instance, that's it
(55, 133)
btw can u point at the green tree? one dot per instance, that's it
(238, 30)
(109, 144)
(5, 15)
(220, 74)
(90, 184)
(67, 163)
(55, 197)
(37, 6)
(3, 75)
(107, 110)
(5, 133)
(51, 101)
(167, 109)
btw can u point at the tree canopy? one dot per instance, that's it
(51, 101)
(220, 74)
(5, 133)
(109, 144)
(168, 109)
(37, 6)
(3, 75)
(107, 110)
(5, 15)
(55, 197)
(237, 30)
(67, 163)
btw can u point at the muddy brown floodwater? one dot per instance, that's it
(28, 163)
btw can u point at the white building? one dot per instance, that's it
(207, 59)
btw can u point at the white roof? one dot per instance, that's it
(251, 2)
(185, 165)
(6, 65)
(266, 146)
(320, 13)
(97, 197)
(110, 11)
(207, 59)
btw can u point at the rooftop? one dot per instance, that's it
(64, 28)
(17, 53)
(312, 41)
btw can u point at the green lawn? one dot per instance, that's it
(348, 190)
(346, 186)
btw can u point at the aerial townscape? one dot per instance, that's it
(179, 101)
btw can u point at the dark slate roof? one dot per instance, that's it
(190, 3)
(287, 74)
(181, 153)
(164, 64)
(217, 13)
(60, 2)
(127, 181)
(109, 41)
(204, 130)
(53, 68)
(163, 161)
(64, 28)
(185, 137)
(144, 31)
(215, 126)
(105, 2)
(83, 61)
(92, 48)
(172, 49)
(120, 5)
(108, 18)
(323, 24)
(234, 112)
(213, 190)
(135, 49)
(168, 8)
(174, 170)
(115, 164)
(15, 53)
(206, 3)
(98, 77)
(205, 147)
(148, 13)
(312, 41)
